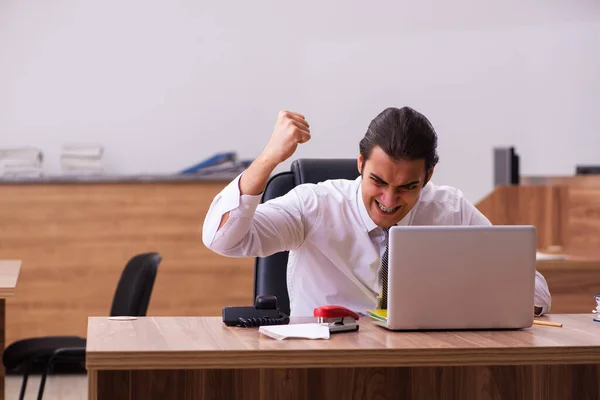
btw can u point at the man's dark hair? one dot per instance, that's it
(403, 134)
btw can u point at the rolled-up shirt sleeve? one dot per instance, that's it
(256, 229)
(542, 299)
(228, 200)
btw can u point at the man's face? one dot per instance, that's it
(390, 188)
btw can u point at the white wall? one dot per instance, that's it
(163, 84)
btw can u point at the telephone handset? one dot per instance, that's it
(264, 312)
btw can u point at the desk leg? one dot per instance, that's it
(92, 376)
(2, 346)
(560, 382)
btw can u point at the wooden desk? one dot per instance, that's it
(200, 358)
(9, 274)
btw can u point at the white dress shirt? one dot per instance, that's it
(334, 246)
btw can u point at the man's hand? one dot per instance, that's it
(290, 130)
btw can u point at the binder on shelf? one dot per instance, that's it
(211, 164)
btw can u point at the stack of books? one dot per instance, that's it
(21, 162)
(82, 160)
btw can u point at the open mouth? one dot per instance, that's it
(386, 210)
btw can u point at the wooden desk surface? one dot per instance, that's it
(9, 274)
(205, 342)
(574, 254)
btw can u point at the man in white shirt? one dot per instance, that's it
(335, 230)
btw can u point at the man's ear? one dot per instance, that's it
(429, 174)
(360, 163)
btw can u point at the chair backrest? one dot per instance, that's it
(270, 273)
(132, 295)
(315, 170)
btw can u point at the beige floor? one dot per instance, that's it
(63, 387)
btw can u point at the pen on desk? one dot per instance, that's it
(547, 323)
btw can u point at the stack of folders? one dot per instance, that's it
(82, 160)
(21, 162)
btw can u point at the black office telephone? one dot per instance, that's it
(264, 312)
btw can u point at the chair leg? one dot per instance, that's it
(23, 386)
(47, 370)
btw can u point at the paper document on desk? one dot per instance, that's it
(298, 331)
(546, 256)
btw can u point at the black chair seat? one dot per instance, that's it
(37, 350)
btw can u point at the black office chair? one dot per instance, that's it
(131, 298)
(270, 272)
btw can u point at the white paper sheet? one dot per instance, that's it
(547, 256)
(298, 331)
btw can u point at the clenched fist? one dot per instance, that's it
(290, 129)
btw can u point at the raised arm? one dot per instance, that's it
(290, 129)
(235, 224)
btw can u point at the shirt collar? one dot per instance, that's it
(367, 221)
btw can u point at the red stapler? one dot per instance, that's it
(339, 319)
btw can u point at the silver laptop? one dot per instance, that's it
(460, 277)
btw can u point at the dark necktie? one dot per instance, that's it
(384, 272)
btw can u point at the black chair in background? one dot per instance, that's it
(270, 272)
(131, 298)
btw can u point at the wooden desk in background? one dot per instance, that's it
(573, 283)
(9, 275)
(75, 238)
(200, 358)
(565, 211)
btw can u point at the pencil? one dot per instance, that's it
(547, 323)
